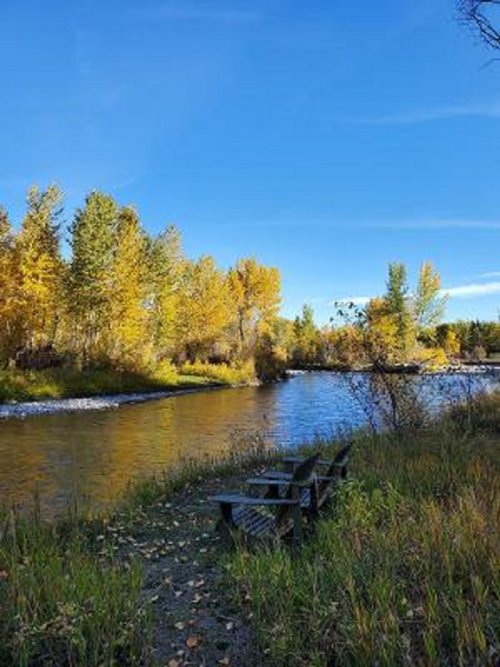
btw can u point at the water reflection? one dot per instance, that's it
(93, 455)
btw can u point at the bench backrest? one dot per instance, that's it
(303, 474)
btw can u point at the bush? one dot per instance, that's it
(223, 373)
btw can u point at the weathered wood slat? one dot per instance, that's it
(247, 500)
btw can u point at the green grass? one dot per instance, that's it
(69, 383)
(404, 570)
(62, 603)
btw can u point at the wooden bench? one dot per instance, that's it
(316, 495)
(273, 517)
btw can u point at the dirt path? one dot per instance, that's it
(196, 621)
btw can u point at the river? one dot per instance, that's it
(90, 457)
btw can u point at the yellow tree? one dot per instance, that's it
(166, 265)
(382, 341)
(205, 308)
(429, 304)
(256, 291)
(129, 342)
(40, 267)
(9, 291)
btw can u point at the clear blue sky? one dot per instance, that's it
(327, 138)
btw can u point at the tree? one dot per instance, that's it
(256, 291)
(9, 291)
(40, 267)
(428, 306)
(128, 336)
(307, 340)
(205, 308)
(166, 266)
(397, 300)
(481, 15)
(93, 236)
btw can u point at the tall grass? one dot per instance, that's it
(62, 603)
(405, 568)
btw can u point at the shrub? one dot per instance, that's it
(223, 373)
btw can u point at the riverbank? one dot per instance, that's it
(67, 389)
(401, 570)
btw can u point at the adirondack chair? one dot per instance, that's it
(272, 517)
(313, 497)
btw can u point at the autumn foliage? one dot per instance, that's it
(123, 299)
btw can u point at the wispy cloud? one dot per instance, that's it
(437, 223)
(491, 274)
(356, 300)
(415, 117)
(472, 290)
(468, 291)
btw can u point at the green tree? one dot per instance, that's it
(397, 298)
(93, 237)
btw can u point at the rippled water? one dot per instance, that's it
(91, 456)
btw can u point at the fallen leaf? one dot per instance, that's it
(192, 641)
(179, 625)
(230, 625)
(173, 663)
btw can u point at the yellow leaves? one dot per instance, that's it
(192, 641)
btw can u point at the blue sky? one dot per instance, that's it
(325, 138)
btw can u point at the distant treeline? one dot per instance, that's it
(128, 301)
(401, 327)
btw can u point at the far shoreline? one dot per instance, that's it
(33, 408)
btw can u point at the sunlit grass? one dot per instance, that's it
(16, 385)
(224, 373)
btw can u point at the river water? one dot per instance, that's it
(91, 456)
